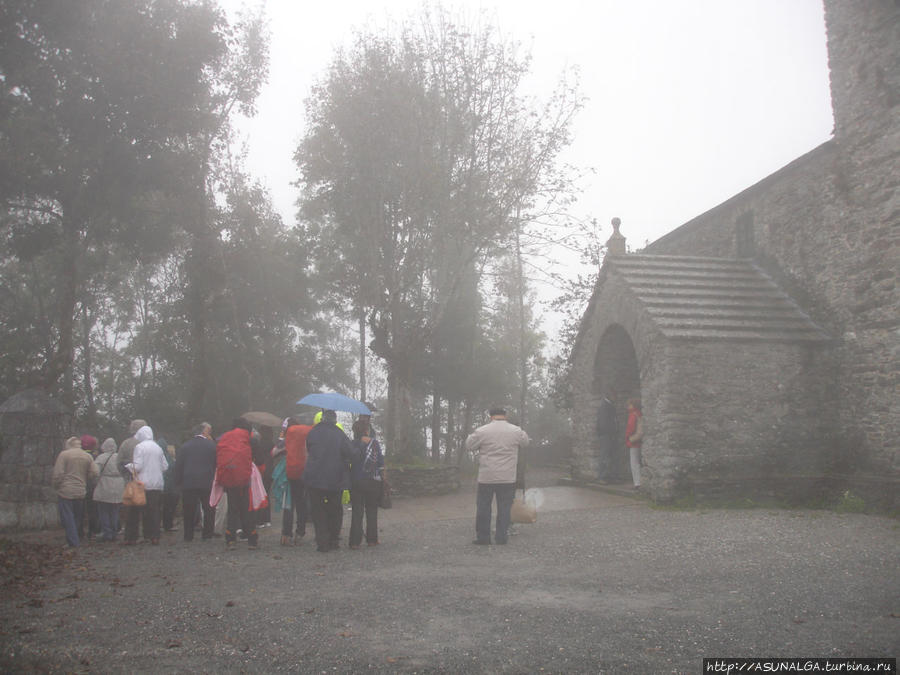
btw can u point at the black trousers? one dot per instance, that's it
(327, 516)
(239, 513)
(298, 506)
(146, 517)
(169, 505)
(191, 499)
(365, 496)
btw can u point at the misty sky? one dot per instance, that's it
(690, 101)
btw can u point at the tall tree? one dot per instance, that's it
(97, 99)
(420, 147)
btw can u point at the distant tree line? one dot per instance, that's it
(145, 273)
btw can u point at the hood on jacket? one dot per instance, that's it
(73, 442)
(145, 433)
(109, 445)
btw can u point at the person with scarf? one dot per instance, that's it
(366, 483)
(108, 492)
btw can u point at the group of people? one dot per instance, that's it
(314, 464)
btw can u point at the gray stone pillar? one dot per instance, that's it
(33, 430)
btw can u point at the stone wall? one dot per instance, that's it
(420, 482)
(33, 430)
(760, 417)
(827, 228)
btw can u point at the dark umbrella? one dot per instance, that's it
(334, 401)
(262, 418)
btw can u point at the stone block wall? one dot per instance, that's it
(419, 482)
(827, 228)
(741, 414)
(33, 430)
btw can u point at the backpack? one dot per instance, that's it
(233, 458)
(295, 450)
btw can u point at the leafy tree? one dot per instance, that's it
(97, 101)
(419, 149)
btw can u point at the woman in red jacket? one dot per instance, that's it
(634, 432)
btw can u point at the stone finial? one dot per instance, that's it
(615, 245)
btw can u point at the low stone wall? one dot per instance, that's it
(420, 482)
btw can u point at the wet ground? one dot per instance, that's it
(601, 583)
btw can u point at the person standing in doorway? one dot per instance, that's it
(634, 433)
(497, 443)
(607, 429)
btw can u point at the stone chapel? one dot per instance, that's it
(763, 336)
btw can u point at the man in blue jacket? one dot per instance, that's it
(195, 468)
(326, 475)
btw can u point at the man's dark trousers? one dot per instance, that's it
(239, 513)
(504, 493)
(327, 515)
(190, 498)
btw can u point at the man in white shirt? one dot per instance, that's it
(497, 444)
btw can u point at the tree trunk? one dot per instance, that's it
(87, 364)
(520, 301)
(452, 407)
(61, 361)
(196, 295)
(435, 428)
(361, 318)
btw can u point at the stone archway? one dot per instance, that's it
(617, 375)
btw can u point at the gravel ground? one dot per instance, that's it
(612, 589)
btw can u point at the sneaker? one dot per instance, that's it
(266, 524)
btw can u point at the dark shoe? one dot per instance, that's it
(371, 543)
(502, 542)
(481, 542)
(354, 547)
(323, 549)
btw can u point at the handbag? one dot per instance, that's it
(522, 512)
(385, 501)
(134, 494)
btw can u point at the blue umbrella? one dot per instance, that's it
(333, 401)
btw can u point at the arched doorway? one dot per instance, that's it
(617, 376)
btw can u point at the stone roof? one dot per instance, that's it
(713, 299)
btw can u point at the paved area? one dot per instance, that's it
(600, 584)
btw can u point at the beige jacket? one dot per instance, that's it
(73, 470)
(497, 444)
